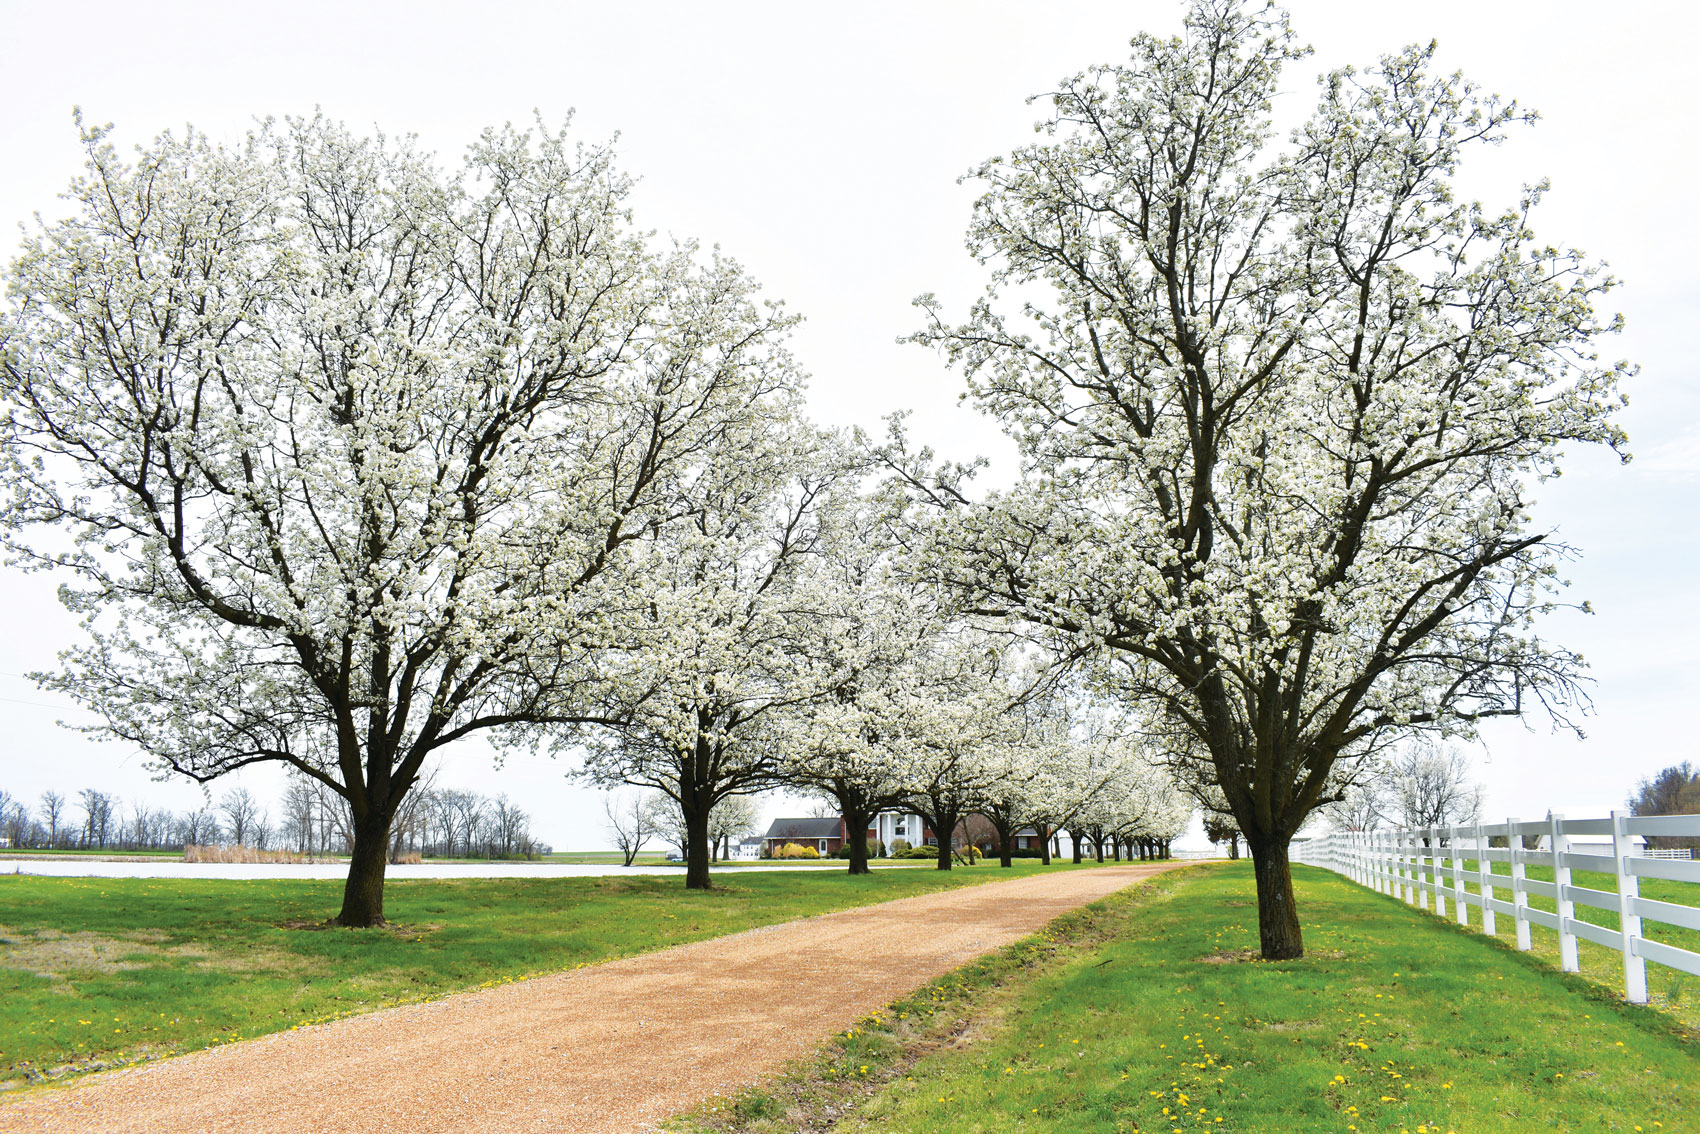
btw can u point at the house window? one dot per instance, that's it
(899, 829)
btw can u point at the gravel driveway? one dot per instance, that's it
(612, 1048)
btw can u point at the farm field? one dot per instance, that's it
(98, 972)
(1141, 1013)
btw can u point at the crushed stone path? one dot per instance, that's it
(603, 1050)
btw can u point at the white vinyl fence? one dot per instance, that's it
(1418, 864)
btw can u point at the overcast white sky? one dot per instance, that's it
(821, 144)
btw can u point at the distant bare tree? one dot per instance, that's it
(408, 832)
(336, 820)
(439, 823)
(510, 827)
(241, 811)
(53, 812)
(466, 809)
(1363, 806)
(296, 816)
(97, 816)
(668, 822)
(141, 825)
(199, 826)
(14, 821)
(975, 831)
(260, 831)
(1431, 787)
(629, 822)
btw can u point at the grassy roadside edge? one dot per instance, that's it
(958, 1017)
(813, 1091)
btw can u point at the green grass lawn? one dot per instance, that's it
(95, 971)
(1670, 989)
(1141, 1014)
(604, 857)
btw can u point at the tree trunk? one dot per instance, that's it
(696, 849)
(1006, 843)
(363, 893)
(856, 838)
(946, 836)
(1277, 914)
(1044, 834)
(1075, 841)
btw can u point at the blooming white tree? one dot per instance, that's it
(1133, 801)
(872, 625)
(1026, 758)
(629, 822)
(733, 818)
(1279, 413)
(350, 451)
(953, 702)
(721, 651)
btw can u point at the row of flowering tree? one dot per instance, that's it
(788, 644)
(347, 458)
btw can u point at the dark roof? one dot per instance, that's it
(805, 829)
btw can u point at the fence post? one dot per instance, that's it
(1457, 877)
(1434, 862)
(1403, 860)
(1483, 869)
(1628, 921)
(1519, 896)
(1419, 844)
(1561, 882)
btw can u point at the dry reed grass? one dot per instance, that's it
(195, 853)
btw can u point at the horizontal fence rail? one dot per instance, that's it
(1458, 865)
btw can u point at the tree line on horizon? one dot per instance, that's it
(306, 820)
